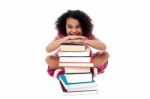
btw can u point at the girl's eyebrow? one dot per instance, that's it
(78, 25)
(69, 25)
(72, 25)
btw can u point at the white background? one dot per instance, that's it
(27, 26)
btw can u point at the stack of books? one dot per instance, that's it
(76, 60)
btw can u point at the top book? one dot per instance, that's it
(72, 47)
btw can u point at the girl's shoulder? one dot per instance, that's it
(58, 36)
(91, 37)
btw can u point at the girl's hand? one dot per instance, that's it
(74, 39)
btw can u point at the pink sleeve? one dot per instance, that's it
(50, 71)
(91, 37)
(58, 36)
(54, 72)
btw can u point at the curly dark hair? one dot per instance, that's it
(83, 18)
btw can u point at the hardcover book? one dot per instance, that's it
(77, 64)
(77, 70)
(78, 77)
(76, 85)
(72, 47)
(87, 52)
(90, 90)
(75, 59)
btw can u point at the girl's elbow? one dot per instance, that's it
(47, 50)
(104, 47)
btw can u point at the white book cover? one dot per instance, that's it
(72, 47)
(83, 89)
(78, 91)
(75, 85)
(72, 93)
(75, 59)
(75, 53)
(77, 70)
(78, 78)
(72, 64)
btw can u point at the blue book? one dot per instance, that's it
(78, 77)
(81, 85)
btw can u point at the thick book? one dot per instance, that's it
(75, 59)
(77, 70)
(90, 90)
(72, 47)
(73, 64)
(76, 85)
(87, 52)
(78, 77)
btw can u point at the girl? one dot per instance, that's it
(76, 26)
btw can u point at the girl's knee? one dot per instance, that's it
(51, 57)
(100, 58)
(104, 54)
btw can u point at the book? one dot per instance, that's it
(75, 59)
(80, 92)
(87, 52)
(77, 70)
(90, 90)
(75, 85)
(72, 47)
(73, 64)
(78, 77)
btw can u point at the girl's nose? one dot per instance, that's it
(74, 30)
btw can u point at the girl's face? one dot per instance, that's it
(73, 27)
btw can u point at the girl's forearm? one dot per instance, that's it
(96, 44)
(54, 45)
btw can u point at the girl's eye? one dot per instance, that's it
(78, 26)
(69, 26)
